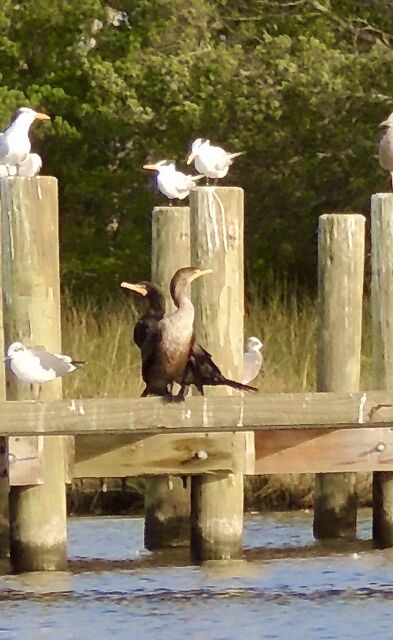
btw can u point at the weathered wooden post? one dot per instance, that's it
(31, 308)
(4, 486)
(382, 315)
(167, 501)
(340, 288)
(216, 224)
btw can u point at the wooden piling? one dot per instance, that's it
(167, 498)
(340, 289)
(216, 226)
(382, 336)
(4, 486)
(31, 309)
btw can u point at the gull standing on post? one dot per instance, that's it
(14, 141)
(386, 147)
(213, 162)
(173, 184)
(252, 359)
(36, 366)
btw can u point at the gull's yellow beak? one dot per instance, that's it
(150, 167)
(41, 116)
(190, 158)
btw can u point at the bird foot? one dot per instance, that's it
(173, 399)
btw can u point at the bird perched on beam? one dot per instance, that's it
(14, 141)
(200, 368)
(386, 147)
(36, 366)
(173, 184)
(252, 359)
(165, 352)
(212, 161)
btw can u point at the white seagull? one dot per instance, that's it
(28, 168)
(36, 366)
(386, 147)
(175, 185)
(14, 141)
(213, 162)
(252, 359)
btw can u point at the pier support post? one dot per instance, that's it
(4, 485)
(31, 308)
(340, 289)
(382, 314)
(167, 499)
(216, 225)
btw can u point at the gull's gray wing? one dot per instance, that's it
(52, 361)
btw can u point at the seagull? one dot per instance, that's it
(175, 185)
(386, 147)
(36, 366)
(213, 162)
(28, 168)
(14, 141)
(252, 359)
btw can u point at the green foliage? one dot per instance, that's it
(300, 86)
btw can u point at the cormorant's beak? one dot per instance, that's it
(150, 167)
(190, 157)
(198, 273)
(41, 116)
(138, 288)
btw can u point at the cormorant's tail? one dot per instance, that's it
(238, 385)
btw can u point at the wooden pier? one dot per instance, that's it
(216, 439)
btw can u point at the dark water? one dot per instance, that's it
(292, 588)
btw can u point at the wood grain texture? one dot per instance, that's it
(382, 288)
(29, 240)
(382, 336)
(216, 224)
(119, 456)
(265, 412)
(328, 451)
(167, 504)
(31, 311)
(4, 475)
(170, 245)
(340, 297)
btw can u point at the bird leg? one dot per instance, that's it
(36, 390)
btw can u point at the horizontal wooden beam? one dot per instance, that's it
(117, 456)
(151, 416)
(283, 451)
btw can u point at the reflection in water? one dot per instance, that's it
(286, 587)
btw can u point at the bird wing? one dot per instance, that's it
(182, 183)
(386, 151)
(3, 147)
(48, 361)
